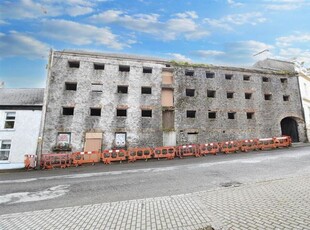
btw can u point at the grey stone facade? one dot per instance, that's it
(150, 131)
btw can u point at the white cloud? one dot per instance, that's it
(187, 14)
(179, 57)
(234, 3)
(18, 44)
(231, 20)
(285, 4)
(182, 24)
(22, 9)
(291, 39)
(236, 53)
(208, 53)
(80, 34)
(2, 22)
(294, 46)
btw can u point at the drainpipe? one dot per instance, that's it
(44, 108)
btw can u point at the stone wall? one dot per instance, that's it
(148, 131)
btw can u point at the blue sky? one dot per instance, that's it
(220, 32)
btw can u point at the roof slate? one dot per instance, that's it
(23, 97)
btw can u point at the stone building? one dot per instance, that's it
(99, 101)
(304, 87)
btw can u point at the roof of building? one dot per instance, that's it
(113, 55)
(274, 64)
(21, 97)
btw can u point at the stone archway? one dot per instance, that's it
(289, 127)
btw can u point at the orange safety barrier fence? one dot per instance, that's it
(210, 148)
(164, 152)
(139, 153)
(266, 143)
(79, 158)
(229, 146)
(55, 160)
(284, 141)
(108, 156)
(30, 161)
(248, 145)
(187, 150)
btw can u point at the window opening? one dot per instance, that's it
(146, 113)
(189, 72)
(122, 89)
(190, 92)
(283, 80)
(250, 115)
(74, 64)
(71, 86)
(211, 93)
(147, 70)
(267, 97)
(231, 115)
(9, 122)
(67, 111)
(5, 148)
(95, 112)
(248, 96)
(246, 77)
(191, 113)
(124, 68)
(98, 66)
(265, 79)
(121, 112)
(230, 95)
(212, 115)
(209, 75)
(146, 90)
(228, 76)
(286, 97)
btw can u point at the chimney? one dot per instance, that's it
(1, 84)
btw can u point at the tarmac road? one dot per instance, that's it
(36, 190)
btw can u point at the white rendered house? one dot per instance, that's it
(20, 118)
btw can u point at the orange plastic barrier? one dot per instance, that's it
(284, 141)
(108, 156)
(229, 146)
(248, 145)
(188, 150)
(266, 143)
(210, 148)
(30, 161)
(55, 160)
(139, 153)
(164, 152)
(79, 158)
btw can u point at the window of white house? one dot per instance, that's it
(9, 120)
(5, 147)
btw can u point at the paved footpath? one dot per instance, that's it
(276, 204)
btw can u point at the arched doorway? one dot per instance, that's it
(289, 127)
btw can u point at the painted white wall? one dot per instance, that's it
(304, 85)
(23, 137)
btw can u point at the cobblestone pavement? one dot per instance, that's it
(277, 204)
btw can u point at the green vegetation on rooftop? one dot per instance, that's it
(187, 64)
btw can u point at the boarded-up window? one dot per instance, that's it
(167, 97)
(168, 119)
(167, 78)
(120, 139)
(192, 138)
(93, 142)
